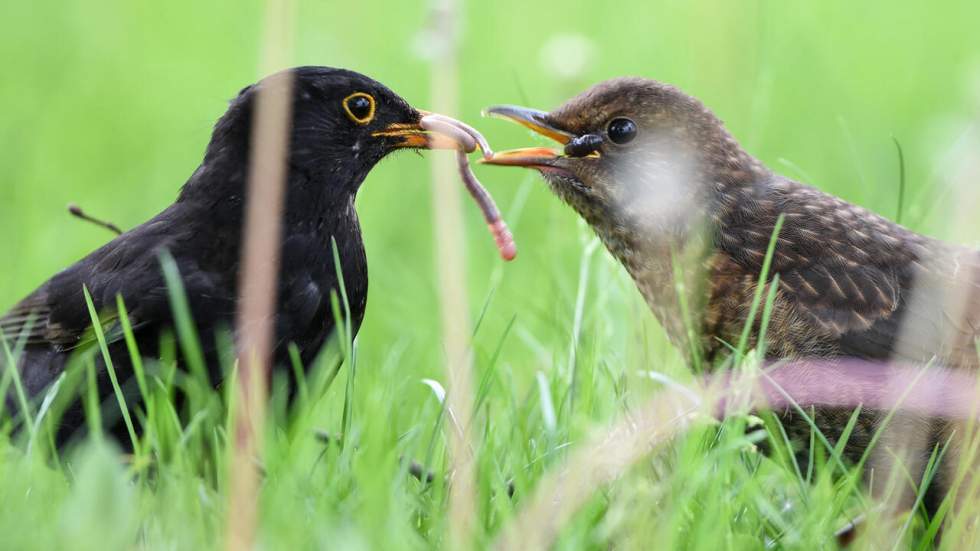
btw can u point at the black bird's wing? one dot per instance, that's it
(41, 320)
(55, 318)
(873, 288)
(27, 320)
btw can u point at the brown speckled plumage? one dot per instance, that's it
(683, 188)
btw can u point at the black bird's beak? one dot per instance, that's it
(414, 136)
(537, 121)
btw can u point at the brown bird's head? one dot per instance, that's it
(635, 151)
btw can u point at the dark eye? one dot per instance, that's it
(621, 130)
(359, 107)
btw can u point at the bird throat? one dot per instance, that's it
(669, 264)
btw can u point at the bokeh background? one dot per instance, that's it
(109, 104)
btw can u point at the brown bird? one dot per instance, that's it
(671, 193)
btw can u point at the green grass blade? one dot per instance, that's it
(743, 339)
(901, 181)
(14, 374)
(93, 408)
(186, 331)
(134, 354)
(111, 369)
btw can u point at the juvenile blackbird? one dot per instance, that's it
(665, 186)
(343, 123)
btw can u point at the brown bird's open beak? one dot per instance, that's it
(526, 156)
(416, 135)
(531, 118)
(529, 156)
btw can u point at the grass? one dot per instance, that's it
(109, 105)
(338, 465)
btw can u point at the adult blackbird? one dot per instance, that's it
(343, 123)
(669, 191)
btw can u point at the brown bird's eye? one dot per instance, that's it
(359, 107)
(621, 130)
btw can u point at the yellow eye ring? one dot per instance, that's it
(356, 108)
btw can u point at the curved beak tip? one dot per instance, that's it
(433, 131)
(534, 119)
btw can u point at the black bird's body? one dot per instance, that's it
(206, 251)
(340, 129)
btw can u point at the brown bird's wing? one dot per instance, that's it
(935, 315)
(867, 285)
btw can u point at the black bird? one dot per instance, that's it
(343, 123)
(665, 186)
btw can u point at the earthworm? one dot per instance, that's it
(464, 134)
(469, 139)
(498, 228)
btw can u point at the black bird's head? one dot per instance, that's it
(634, 151)
(343, 123)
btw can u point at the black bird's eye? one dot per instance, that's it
(621, 130)
(359, 107)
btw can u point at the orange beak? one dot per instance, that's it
(525, 156)
(413, 136)
(539, 123)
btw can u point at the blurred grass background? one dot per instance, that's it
(109, 104)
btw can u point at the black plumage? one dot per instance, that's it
(343, 123)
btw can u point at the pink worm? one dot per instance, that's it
(498, 228)
(469, 140)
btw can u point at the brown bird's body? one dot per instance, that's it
(690, 215)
